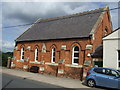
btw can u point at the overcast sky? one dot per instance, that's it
(17, 13)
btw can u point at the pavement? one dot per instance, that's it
(58, 81)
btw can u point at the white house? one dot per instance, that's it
(111, 50)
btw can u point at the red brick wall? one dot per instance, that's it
(60, 54)
(99, 32)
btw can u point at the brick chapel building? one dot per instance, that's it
(62, 46)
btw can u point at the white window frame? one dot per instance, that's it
(22, 55)
(53, 51)
(73, 51)
(36, 54)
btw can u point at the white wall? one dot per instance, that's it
(110, 50)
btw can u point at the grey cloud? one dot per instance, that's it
(30, 12)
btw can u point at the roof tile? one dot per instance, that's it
(69, 26)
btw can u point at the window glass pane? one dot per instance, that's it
(75, 60)
(113, 73)
(36, 58)
(36, 54)
(76, 48)
(37, 51)
(103, 71)
(53, 53)
(22, 53)
(107, 72)
(54, 59)
(76, 54)
(98, 70)
(22, 57)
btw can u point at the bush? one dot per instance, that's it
(5, 58)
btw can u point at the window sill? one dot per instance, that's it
(74, 65)
(35, 62)
(51, 63)
(20, 60)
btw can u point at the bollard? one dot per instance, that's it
(9, 62)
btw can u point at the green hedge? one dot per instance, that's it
(5, 57)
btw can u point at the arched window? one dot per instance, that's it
(22, 53)
(53, 55)
(105, 31)
(75, 55)
(36, 54)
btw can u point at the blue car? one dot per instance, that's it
(105, 77)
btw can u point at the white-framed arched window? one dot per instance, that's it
(36, 54)
(53, 55)
(22, 53)
(105, 31)
(75, 55)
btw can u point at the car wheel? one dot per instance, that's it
(91, 83)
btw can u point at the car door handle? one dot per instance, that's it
(110, 78)
(94, 75)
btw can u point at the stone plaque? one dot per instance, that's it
(63, 47)
(42, 68)
(12, 64)
(26, 59)
(61, 61)
(28, 48)
(88, 47)
(44, 48)
(87, 63)
(60, 71)
(25, 66)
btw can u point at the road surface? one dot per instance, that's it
(9, 81)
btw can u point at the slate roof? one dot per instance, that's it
(64, 27)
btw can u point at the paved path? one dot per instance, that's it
(63, 82)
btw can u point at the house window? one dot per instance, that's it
(119, 58)
(53, 55)
(75, 55)
(36, 54)
(105, 31)
(22, 53)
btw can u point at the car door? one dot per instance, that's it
(112, 79)
(101, 77)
